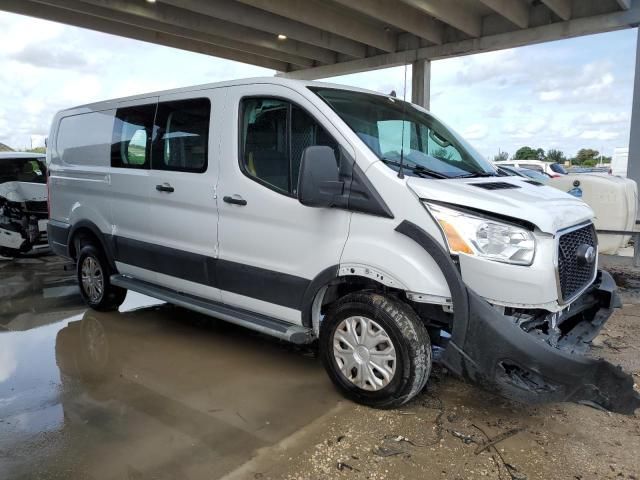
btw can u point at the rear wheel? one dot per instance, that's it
(375, 349)
(94, 280)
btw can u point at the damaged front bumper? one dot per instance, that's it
(533, 365)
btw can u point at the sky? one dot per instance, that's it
(567, 95)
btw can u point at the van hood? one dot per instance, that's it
(547, 208)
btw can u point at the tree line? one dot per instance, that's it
(586, 157)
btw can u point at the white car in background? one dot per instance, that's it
(551, 169)
(23, 203)
(614, 200)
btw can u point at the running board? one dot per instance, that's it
(254, 321)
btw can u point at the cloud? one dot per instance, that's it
(604, 118)
(550, 95)
(22, 30)
(495, 111)
(525, 130)
(503, 67)
(44, 56)
(593, 82)
(475, 131)
(599, 135)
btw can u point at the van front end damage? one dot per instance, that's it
(22, 225)
(536, 358)
(23, 203)
(531, 357)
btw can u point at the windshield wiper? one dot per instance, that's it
(419, 169)
(476, 175)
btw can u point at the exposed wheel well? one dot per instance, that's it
(341, 286)
(80, 237)
(433, 316)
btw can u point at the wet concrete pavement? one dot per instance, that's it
(158, 392)
(152, 391)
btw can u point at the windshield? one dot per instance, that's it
(534, 174)
(30, 170)
(556, 167)
(389, 127)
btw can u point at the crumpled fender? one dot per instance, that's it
(490, 350)
(501, 357)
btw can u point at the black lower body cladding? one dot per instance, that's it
(491, 350)
(500, 356)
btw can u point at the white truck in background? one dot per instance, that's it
(619, 161)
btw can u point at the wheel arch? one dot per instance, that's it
(88, 229)
(337, 281)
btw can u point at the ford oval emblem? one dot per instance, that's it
(586, 254)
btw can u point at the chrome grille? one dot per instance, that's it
(572, 275)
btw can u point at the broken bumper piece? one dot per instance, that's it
(494, 351)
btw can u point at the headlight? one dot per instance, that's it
(478, 236)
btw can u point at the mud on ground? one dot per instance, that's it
(441, 433)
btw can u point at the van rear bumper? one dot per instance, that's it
(58, 235)
(499, 355)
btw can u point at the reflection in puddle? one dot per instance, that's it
(153, 392)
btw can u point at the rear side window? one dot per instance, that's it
(274, 134)
(182, 135)
(84, 139)
(132, 137)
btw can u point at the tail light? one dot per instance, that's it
(48, 196)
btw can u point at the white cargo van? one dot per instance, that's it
(311, 212)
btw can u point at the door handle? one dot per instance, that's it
(165, 187)
(235, 201)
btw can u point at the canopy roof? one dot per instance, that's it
(323, 38)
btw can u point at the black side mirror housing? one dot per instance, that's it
(319, 183)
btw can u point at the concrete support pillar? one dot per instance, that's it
(421, 83)
(633, 166)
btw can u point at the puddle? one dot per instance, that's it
(153, 391)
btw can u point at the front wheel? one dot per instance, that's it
(93, 278)
(375, 349)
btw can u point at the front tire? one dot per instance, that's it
(94, 273)
(375, 349)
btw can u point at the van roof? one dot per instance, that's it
(246, 81)
(12, 155)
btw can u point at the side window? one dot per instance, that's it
(265, 142)
(441, 148)
(183, 135)
(132, 132)
(305, 132)
(274, 134)
(391, 132)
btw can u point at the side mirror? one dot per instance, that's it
(319, 180)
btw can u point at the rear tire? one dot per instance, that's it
(94, 274)
(375, 349)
